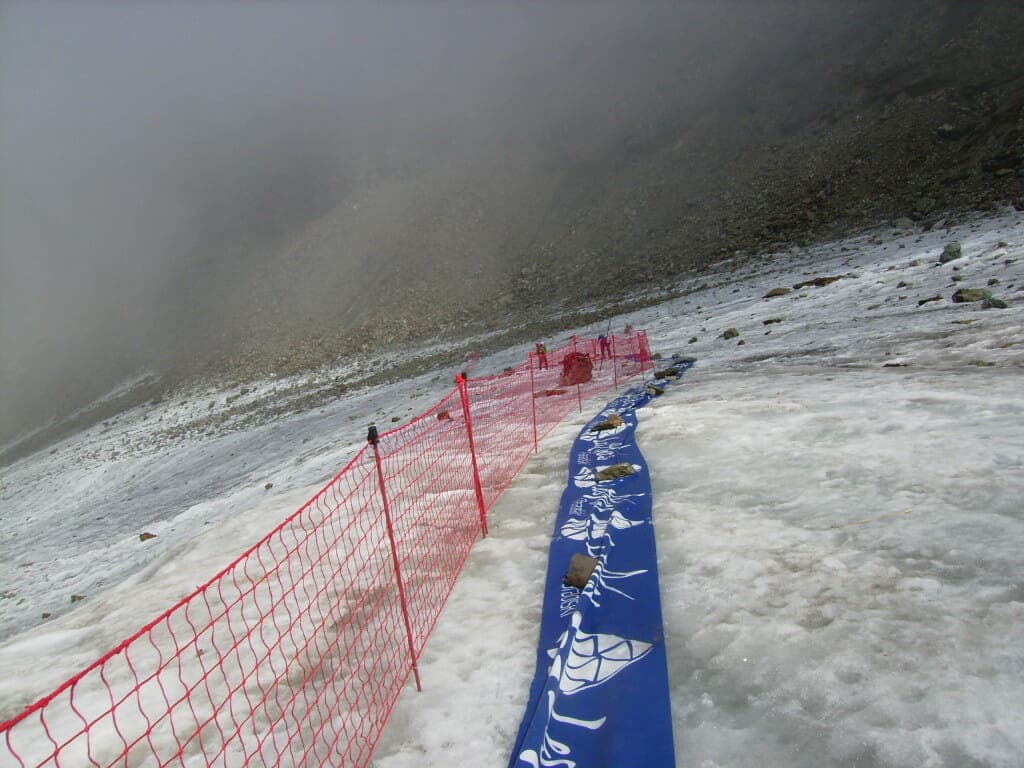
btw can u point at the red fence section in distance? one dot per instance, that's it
(295, 654)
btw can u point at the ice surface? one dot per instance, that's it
(837, 503)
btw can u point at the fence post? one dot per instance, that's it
(460, 381)
(533, 404)
(615, 366)
(645, 352)
(372, 438)
(579, 397)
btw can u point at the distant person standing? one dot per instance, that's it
(542, 355)
(606, 346)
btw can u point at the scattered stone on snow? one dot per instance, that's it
(268, 486)
(818, 282)
(730, 333)
(77, 598)
(777, 292)
(654, 390)
(993, 303)
(953, 250)
(965, 295)
(772, 320)
(993, 281)
(922, 302)
(614, 472)
(581, 567)
(613, 421)
(146, 536)
(693, 340)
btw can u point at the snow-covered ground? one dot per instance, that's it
(837, 501)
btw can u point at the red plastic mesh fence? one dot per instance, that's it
(295, 654)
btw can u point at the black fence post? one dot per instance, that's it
(373, 439)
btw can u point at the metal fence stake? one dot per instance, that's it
(579, 395)
(533, 404)
(373, 440)
(460, 380)
(615, 366)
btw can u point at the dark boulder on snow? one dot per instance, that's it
(952, 251)
(993, 303)
(818, 282)
(730, 333)
(966, 295)
(922, 302)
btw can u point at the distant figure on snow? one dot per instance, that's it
(606, 346)
(542, 355)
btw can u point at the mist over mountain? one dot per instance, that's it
(244, 190)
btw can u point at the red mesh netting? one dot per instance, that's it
(296, 653)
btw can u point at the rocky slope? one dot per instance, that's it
(624, 163)
(911, 109)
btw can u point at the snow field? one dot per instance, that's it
(839, 570)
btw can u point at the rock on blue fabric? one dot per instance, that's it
(599, 697)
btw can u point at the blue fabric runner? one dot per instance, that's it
(600, 697)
